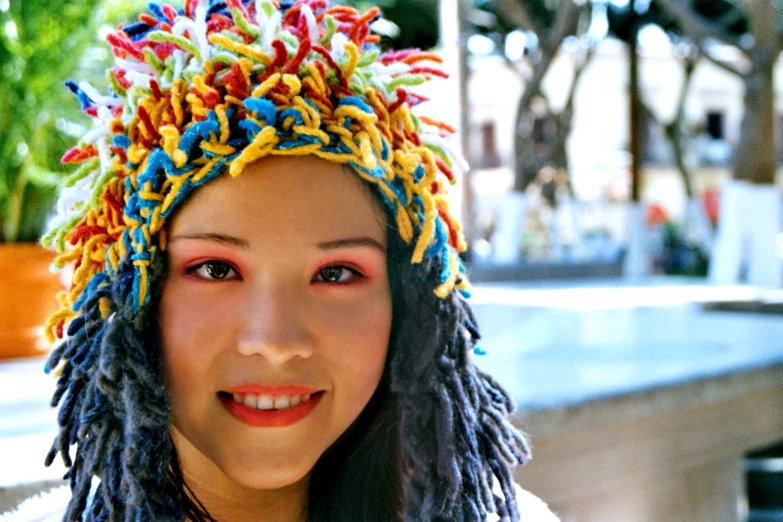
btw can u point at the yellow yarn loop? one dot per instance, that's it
(240, 49)
(261, 145)
(445, 288)
(104, 305)
(266, 86)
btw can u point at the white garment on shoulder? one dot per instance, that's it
(531, 508)
(46, 507)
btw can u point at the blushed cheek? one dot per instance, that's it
(377, 348)
(178, 370)
(184, 337)
(367, 349)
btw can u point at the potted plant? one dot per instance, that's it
(40, 45)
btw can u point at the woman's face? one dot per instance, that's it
(274, 319)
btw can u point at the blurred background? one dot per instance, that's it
(623, 211)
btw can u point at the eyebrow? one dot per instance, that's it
(352, 242)
(223, 239)
(361, 241)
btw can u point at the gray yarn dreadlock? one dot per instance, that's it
(455, 434)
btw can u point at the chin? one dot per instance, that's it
(265, 466)
(245, 463)
(267, 477)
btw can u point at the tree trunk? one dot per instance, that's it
(756, 157)
(527, 162)
(750, 204)
(674, 129)
(756, 160)
(635, 108)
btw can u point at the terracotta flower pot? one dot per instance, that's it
(27, 298)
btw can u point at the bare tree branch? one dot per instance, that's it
(515, 13)
(730, 18)
(571, 19)
(567, 22)
(695, 26)
(691, 62)
(720, 63)
(763, 18)
(514, 68)
(673, 128)
(566, 114)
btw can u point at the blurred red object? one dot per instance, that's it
(656, 215)
(711, 198)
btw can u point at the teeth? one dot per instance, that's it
(265, 402)
(268, 402)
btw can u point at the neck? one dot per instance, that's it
(238, 504)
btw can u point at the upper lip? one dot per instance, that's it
(269, 389)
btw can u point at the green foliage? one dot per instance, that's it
(125, 11)
(40, 45)
(681, 256)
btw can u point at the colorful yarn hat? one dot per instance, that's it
(199, 92)
(211, 88)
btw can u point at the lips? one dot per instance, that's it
(266, 389)
(270, 406)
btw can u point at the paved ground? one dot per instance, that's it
(27, 423)
(554, 345)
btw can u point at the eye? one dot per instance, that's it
(213, 271)
(338, 274)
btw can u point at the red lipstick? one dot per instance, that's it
(264, 389)
(271, 418)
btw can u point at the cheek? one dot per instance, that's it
(189, 332)
(358, 351)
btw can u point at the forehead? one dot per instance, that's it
(302, 195)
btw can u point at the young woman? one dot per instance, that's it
(268, 318)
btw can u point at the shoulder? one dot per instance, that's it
(531, 508)
(46, 507)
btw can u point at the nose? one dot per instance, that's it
(275, 327)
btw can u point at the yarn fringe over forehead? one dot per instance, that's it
(216, 85)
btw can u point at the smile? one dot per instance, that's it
(269, 411)
(269, 402)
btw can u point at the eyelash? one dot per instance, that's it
(355, 274)
(193, 269)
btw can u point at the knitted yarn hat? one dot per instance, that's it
(200, 92)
